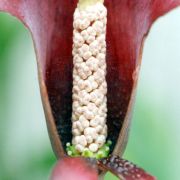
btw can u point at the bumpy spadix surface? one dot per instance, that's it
(89, 108)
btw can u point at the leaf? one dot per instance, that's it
(50, 23)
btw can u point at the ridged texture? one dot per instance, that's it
(89, 94)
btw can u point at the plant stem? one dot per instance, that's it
(84, 3)
(101, 176)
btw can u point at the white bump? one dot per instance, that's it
(92, 107)
(84, 24)
(89, 139)
(76, 14)
(98, 102)
(87, 55)
(94, 85)
(101, 140)
(75, 97)
(98, 26)
(107, 149)
(88, 86)
(90, 39)
(85, 48)
(76, 23)
(92, 63)
(91, 132)
(85, 34)
(88, 115)
(94, 122)
(81, 85)
(82, 140)
(94, 96)
(84, 121)
(101, 39)
(69, 153)
(104, 130)
(76, 132)
(94, 47)
(78, 40)
(99, 129)
(79, 126)
(79, 147)
(93, 147)
(92, 16)
(75, 104)
(101, 57)
(102, 121)
(91, 31)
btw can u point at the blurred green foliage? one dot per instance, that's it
(25, 151)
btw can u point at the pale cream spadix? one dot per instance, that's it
(89, 109)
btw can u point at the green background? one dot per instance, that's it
(154, 143)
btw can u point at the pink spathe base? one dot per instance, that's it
(73, 169)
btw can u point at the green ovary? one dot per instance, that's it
(101, 153)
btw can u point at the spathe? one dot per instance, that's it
(50, 23)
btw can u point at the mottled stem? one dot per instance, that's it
(101, 176)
